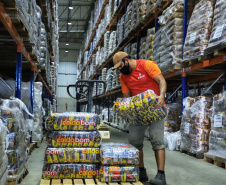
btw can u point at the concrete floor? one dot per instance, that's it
(181, 169)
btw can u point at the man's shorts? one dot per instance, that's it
(156, 131)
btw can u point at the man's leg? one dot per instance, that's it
(156, 131)
(136, 138)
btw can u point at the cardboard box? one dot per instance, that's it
(105, 136)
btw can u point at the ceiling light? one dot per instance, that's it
(66, 51)
(67, 44)
(71, 7)
(69, 23)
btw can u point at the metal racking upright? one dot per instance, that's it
(207, 70)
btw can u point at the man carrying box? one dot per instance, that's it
(138, 76)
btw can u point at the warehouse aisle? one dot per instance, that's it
(181, 169)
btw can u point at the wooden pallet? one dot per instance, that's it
(83, 182)
(198, 156)
(17, 180)
(215, 162)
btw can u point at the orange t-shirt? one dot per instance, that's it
(142, 78)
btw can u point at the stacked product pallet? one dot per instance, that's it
(196, 125)
(218, 36)
(109, 79)
(3, 156)
(72, 146)
(128, 18)
(217, 145)
(112, 42)
(119, 163)
(199, 30)
(12, 115)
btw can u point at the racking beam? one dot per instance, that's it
(18, 71)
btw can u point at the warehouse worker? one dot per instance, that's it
(136, 77)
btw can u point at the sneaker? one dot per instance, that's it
(160, 179)
(143, 175)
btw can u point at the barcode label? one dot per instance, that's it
(186, 128)
(218, 120)
(192, 38)
(218, 31)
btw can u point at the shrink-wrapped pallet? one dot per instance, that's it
(173, 120)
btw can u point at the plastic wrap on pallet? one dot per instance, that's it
(72, 155)
(173, 120)
(61, 139)
(172, 140)
(73, 121)
(4, 177)
(218, 35)
(119, 174)
(140, 108)
(70, 171)
(119, 154)
(199, 30)
(195, 125)
(3, 131)
(18, 169)
(141, 6)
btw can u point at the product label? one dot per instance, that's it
(192, 38)
(87, 173)
(72, 140)
(218, 31)
(53, 151)
(91, 151)
(218, 120)
(78, 122)
(51, 173)
(186, 128)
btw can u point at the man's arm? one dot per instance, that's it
(162, 87)
(127, 95)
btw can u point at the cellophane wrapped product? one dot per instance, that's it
(218, 34)
(173, 120)
(217, 145)
(141, 6)
(119, 173)
(199, 30)
(12, 113)
(196, 124)
(73, 121)
(72, 155)
(61, 139)
(172, 140)
(147, 46)
(140, 109)
(70, 171)
(119, 154)
(151, 5)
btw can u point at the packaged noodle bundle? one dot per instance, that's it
(70, 171)
(73, 139)
(119, 154)
(73, 121)
(218, 35)
(140, 108)
(72, 155)
(119, 174)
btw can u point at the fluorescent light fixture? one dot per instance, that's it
(71, 7)
(67, 44)
(66, 51)
(69, 23)
(73, 31)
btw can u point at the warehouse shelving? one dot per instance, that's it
(21, 50)
(205, 70)
(114, 17)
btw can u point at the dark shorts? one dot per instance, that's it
(156, 131)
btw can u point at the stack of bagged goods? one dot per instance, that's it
(109, 79)
(127, 48)
(217, 145)
(141, 6)
(128, 20)
(199, 30)
(218, 36)
(134, 15)
(72, 146)
(119, 163)
(116, 79)
(150, 5)
(143, 44)
(140, 109)
(157, 47)
(149, 45)
(3, 156)
(121, 30)
(106, 45)
(173, 120)
(134, 50)
(196, 124)
(112, 42)
(18, 138)
(37, 133)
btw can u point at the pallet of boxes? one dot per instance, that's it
(73, 154)
(217, 138)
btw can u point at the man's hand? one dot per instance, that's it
(161, 101)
